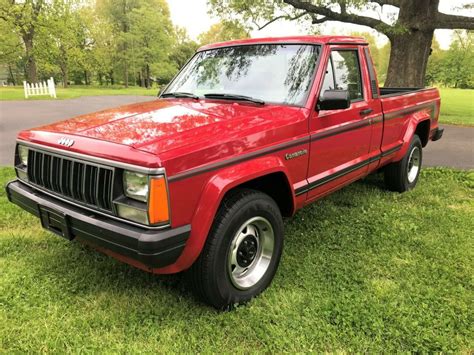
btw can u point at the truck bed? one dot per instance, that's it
(385, 91)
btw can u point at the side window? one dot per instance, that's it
(343, 73)
(347, 73)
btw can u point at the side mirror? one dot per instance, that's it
(334, 100)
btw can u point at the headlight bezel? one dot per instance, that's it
(21, 162)
(21, 150)
(145, 206)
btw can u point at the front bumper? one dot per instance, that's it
(150, 248)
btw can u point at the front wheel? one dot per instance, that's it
(403, 175)
(242, 251)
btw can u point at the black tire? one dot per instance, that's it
(397, 175)
(210, 276)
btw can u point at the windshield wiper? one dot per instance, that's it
(180, 94)
(234, 97)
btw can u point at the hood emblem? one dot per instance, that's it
(66, 142)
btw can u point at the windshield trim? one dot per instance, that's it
(315, 70)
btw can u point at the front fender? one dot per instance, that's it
(211, 197)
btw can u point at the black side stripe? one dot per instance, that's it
(400, 113)
(345, 128)
(345, 171)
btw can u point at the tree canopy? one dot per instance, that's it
(410, 32)
(134, 42)
(108, 41)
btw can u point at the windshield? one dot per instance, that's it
(275, 73)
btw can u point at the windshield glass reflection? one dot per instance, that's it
(273, 73)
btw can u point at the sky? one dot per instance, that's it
(192, 15)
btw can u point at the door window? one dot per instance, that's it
(343, 73)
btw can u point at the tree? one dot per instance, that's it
(410, 34)
(11, 50)
(117, 12)
(223, 31)
(151, 30)
(183, 48)
(60, 44)
(26, 17)
(454, 67)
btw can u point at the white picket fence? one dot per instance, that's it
(42, 88)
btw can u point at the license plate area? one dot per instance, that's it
(55, 221)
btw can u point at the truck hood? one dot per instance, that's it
(162, 125)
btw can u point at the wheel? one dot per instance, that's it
(242, 250)
(403, 175)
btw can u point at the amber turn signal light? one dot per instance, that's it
(158, 210)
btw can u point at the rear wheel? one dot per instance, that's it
(242, 251)
(403, 175)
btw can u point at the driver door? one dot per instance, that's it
(340, 139)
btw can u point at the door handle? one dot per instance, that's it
(365, 111)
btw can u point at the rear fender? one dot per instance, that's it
(211, 197)
(412, 124)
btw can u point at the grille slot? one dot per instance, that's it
(80, 181)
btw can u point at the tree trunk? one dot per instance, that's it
(142, 79)
(147, 68)
(86, 78)
(65, 76)
(408, 59)
(411, 46)
(30, 57)
(126, 74)
(12, 77)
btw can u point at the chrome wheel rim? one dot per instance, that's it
(414, 163)
(250, 252)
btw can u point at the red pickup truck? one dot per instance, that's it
(199, 179)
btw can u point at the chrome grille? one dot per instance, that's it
(76, 180)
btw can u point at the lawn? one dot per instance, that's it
(363, 270)
(457, 106)
(17, 93)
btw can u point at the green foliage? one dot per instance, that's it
(224, 31)
(454, 67)
(103, 41)
(363, 271)
(183, 49)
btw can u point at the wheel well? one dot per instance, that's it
(423, 131)
(276, 186)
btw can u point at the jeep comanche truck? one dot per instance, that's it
(199, 179)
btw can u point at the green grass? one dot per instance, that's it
(457, 106)
(363, 270)
(17, 93)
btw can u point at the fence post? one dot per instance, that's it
(25, 86)
(51, 87)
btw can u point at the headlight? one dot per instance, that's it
(23, 154)
(135, 185)
(152, 192)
